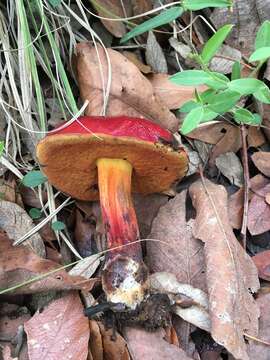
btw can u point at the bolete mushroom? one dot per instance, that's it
(108, 158)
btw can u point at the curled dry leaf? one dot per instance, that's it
(256, 349)
(20, 264)
(197, 312)
(154, 55)
(61, 331)
(87, 266)
(126, 95)
(151, 345)
(231, 274)
(262, 262)
(15, 221)
(173, 96)
(262, 161)
(113, 9)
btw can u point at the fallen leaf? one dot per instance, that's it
(196, 312)
(60, 331)
(95, 341)
(113, 9)
(154, 55)
(224, 59)
(230, 166)
(244, 15)
(15, 221)
(131, 56)
(258, 215)
(84, 233)
(178, 252)
(9, 191)
(126, 95)
(151, 345)
(173, 96)
(87, 266)
(146, 208)
(20, 264)
(141, 6)
(113, 349)
(231, 274)
(257, 350)
(235, 209)
(255, 137)
(261, 160)
(262, 262)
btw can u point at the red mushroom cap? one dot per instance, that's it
(68, 156)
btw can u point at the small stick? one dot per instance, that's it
(243, 131)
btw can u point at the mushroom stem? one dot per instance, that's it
(124, 276)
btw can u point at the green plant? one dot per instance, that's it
(223, 94)
(168, 15)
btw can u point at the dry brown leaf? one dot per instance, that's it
(114, 349)
(15, 221)
(257, 350)
(9, 191)
(151, 345)
(255, 137)
(84, 233)
(19, 264)
(154, 55)
(235, 208)
(146, 208)
(258, 215)
(231, 274)
(179, 252)
(262, 262)
(173, 96)
(230, 166)
(95, 342)
(113, 7)
(61, 331)
(126, 95)
(262, 161)
(131, 56)
(141, 6)
(211, 133)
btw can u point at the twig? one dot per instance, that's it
(243, 131)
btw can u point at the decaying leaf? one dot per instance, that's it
(262, 262)
(151, 345)
(255, 137)
(126, 95)
(95, 342)
(87, 266)
(235, 208)
(131, 56)
(173, 96)
(20, 264)
(84, 233)
(16, 222)
(196, 312)
(154, 55)
(60, 331)
(224, 59)
(230, 166)
(231, 274)
(178, 252)
(257, 350)
(262, 161)
(113, 9)
(113, 349)
(141, 6)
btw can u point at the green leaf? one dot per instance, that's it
(263, 94)
(34, 178)
(263, 35)
(164, 17)
(236, 71)
(188, 106)
(58, 225)
(244, 116)
(2, 146)
(202, 4)
(262, 53)
(190, 77)
(35, 213)
(214, 43)
(208, 115)
(55, 3)
(223, 101)
(217, 81)
(246, 86)
(192, 120)
(207, 94)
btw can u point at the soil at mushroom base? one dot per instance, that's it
(117, 154)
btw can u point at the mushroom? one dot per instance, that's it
(107, 158)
